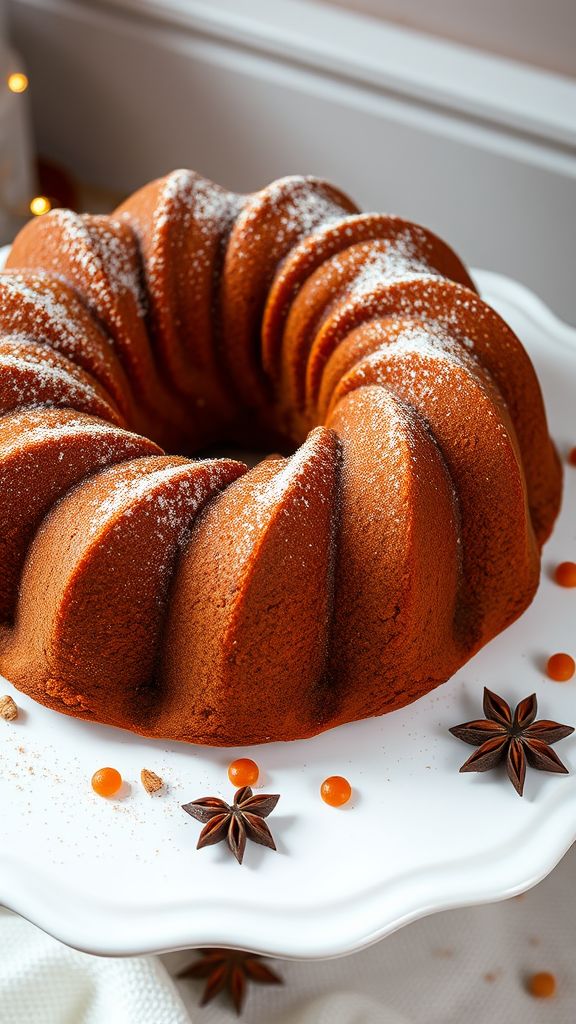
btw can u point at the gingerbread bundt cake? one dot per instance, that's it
(194, 599)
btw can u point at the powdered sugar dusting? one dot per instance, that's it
(301, 207)
(35, 432)
(268, 495)
(43, 380)
(352, 285)
(106, 259)
(400, 260)
(432, 340)
(32, 307)
(298, 206)
(425, 336)
(431, 378)
(386, 441)
(190, 204)
(135, 485)
(188, 197)
(389, 423)
(383, 264)
(301, 478)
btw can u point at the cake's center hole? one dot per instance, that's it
(250, 447)
(250, 456)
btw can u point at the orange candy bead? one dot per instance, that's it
(565, 574)
(561, 667)
(572, 457)
(542, 985)
(106, 781)
(243, 772)
(336, 791)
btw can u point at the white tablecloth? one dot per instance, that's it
(462, 967)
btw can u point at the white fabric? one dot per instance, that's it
(44, 982)
(461, 967)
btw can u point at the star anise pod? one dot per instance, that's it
(235, 823)
(230, 970)
(518, 738)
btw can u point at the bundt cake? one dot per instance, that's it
(393, 528)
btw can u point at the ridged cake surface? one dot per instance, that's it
(395, 528)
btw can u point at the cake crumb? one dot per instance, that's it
(492, 976)
(152, 783)
(8, 708)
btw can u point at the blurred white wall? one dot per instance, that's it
(539, 32)
(16, 173)
(480, 150)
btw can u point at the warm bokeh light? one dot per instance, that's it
(17, 81)
(40, 205)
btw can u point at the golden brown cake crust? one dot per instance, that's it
(193, 599)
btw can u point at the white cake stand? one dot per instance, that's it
(123, 876)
